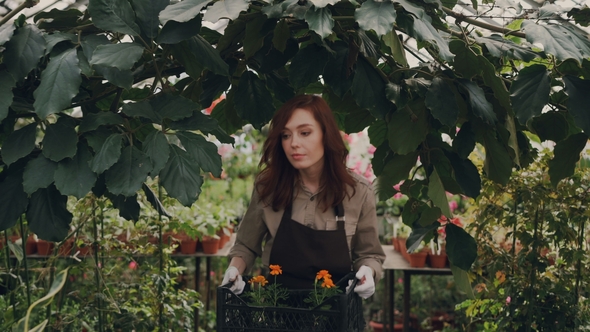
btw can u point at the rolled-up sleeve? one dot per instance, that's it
(250, 234)
(367, 249)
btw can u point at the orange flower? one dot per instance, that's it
(323, 274)
(328, 283)
(258, 280)
(275, 270)
(500, 276)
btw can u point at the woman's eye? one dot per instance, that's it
(285, 136)
(305, 133)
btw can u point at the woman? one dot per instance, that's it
(308, 212)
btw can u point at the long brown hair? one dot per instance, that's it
(277, 172)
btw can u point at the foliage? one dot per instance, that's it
(532, 270)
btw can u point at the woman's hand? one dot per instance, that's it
(232, 274)
(366, 285)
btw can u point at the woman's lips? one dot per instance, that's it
(297, 156)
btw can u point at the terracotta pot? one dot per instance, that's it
(66, 248)
(378, 327)
(44, 248)
(223, 238)
(170, 238)
(31, 245)
(395, 242)
(438, 261)
(418, 259)
(210, 245)
(188, 246)
(402, 248)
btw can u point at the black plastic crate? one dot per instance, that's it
(234, 314)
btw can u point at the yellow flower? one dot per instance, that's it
(323, 274)
(275, 270)
(258, 280)
(500, 276)
(328, 283)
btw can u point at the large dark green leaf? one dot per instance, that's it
(59, 142)
(127, 175)
(253, 101)
(461, 278)
(182, 11)
(436, 192)
(421, 28)
(323, 3)
(74, 176)
(567, 154)
(57, 37)
(163, 106)
(23, 51)
(378, 133)
(60, 82)
(256, 30)
(225, 9)
(500, 47)
(280, 35)
(494, 81)
(466, 175)
(47, 214)
(529, 92)
(202, 151)
(337, 75)
(192, 65)
(128, 206)
(157, 149)
(368, 89)
(555, 39)
(6, 94)
(121, 56)
(395, 44)
(419, 233)
(376, 16)
(147, 13)
(302, 71)
(226, 114)
(120, 78)
(108, 154)
(207, 55)
(38, 174)
(440, 99)
(154, 201)
(198, 121)
(498, 164)
(550, 126)
(356, 118)
(320, 21)
(95, 120)
(579, 98)
(19, 144)
(181, 177)
(114, 15)
(407, 128)
(464, 142)
(396, 170)
(461, 247)
(175, 32)
(478, 102)
(13, 199)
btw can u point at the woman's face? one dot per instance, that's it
(302, 140)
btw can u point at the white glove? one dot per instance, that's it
(366, 285)
(232, 274)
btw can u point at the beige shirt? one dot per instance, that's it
(258, 228)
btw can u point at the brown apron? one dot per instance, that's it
(302, 251)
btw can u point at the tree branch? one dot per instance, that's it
(26, 4)
(491, 27)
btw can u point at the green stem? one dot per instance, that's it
(161, 253)
(533, 275)
(96, 275)
(24, 244)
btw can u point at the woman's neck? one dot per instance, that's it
(310, 181)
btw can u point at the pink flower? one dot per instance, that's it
(398, 195)
(453, 205)
(400, 280)
(508, 300)
(396, 187)
(371, 149)
(133, 265)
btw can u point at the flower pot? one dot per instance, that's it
(418, 259)
(66, 247)
(379, 327)
(172, 239)
(402, 248)
(210, 245)
(31, 245)
(188, 246)
(223, 238)
(438, 261)
(44, 248)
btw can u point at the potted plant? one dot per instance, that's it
(418, 257)
(437, 256)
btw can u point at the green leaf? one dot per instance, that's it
(497, 164)
(207, 55)
(56, 286)
(157, 149)
(19, 144)
(323, 3)
(466, 175)
(17, 250)
(114, 16)
(505, 48)
(337, 74)
(577, 89)
(421, 28)
(320, 21)
(464, 142)
(461, 277)
(368, 89)
(59, 142)
(436, 192)
(38, 174)
(494, 81)
(255, 101)
(155, 201)
(121, 56)
(478, 102)
(192, 65)
(229, 9)
(13, 199)
(376, 16)
(378, 133)
(128, 206)
(555, 40)
(74, 176)
(94, 120)
(302, 72)
(466, 60)
(567, 154)
(121, 78)
(429, 216)
(281, 34)
(108, 154)
(226, 114)
(56, 38)
(440, 99)
(529, 92)
(6, 94)
(419, 233)
(175, 32)
(182, 11)
(356, 118)
(163, 106)
(461, 247)
(23, 51)
(60, 82)
(197, 121)
(396, 170)
(147, 12)
(407, 128)
(202, 151)
(394, 43)
(181, 177)
(127, 175)
(550, 126)
(47, 214)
